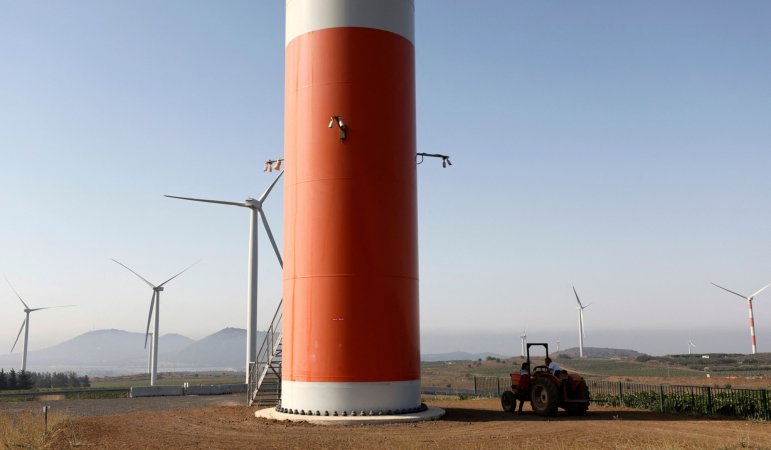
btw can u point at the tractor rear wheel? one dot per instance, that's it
(544, 397)
(581, 393)
(508, 401)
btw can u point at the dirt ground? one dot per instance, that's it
(468, 424)
(112, 406)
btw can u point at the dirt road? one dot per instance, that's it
(467, 424)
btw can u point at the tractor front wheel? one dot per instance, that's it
(508, 401)
(544, 397)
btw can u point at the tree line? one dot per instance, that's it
(14, 380)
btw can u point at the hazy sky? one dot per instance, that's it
(622, 147)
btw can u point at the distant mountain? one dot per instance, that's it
(598, 352)
(172, 343)
(102, 346)
(459, 356)
(225, 348)
(117, 352)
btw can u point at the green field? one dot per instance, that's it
(168, 379)
(626, 367)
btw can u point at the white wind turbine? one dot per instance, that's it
(154, 301)
(691, 346)
(523, 337)
(558, 345)
(581, 335)
(749, 305)
(251, 309)
(25, 326)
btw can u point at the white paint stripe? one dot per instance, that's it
(366, 396)
(396, 16)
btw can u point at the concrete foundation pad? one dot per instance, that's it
(432, 413)
(215, 389)
(156, 391)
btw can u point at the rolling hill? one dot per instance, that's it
(118, 352)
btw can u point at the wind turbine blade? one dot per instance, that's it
(577, 299)
(270, 188)
(140, 276)
(23, 322)
(270, 236)
(219, 202)
(764, 288)
(50, 307)
(150, 316)
(735, 293)
(183, 271)
(584, 307)
(17, 294)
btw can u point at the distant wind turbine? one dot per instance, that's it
(691, 346)
(749, 305)
(251, 309)
(523, 337)
(581, 335)
(25, 325)
(154, 301)
(558, 345)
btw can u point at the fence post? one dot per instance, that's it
(498, 386)
(475, 387)
(693, 400)
(765, 404)
(620, 395)
(661, 398)
(709, 400)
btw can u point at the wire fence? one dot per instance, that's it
(700, 400)
(491, 386)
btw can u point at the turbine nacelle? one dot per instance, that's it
(252, 203)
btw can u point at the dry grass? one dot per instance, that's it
(27, 429)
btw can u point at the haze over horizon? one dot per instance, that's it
(618, 147)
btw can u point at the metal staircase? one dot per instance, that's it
(265, 373)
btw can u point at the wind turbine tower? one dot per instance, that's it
(523, 337)
(251, 309)
(580, 309)
(150, 357)
(749, 306)
(156, 302)
(25, 326)
(691, 346)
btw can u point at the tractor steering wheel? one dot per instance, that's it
(540, 369)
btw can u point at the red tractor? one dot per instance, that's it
(547, 391)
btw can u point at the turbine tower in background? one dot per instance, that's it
(580, 309)
(691, 346)
(251, 306)
(25, 326)
(749, 305)
(154, 301)
(150, 357)
(523, 337)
